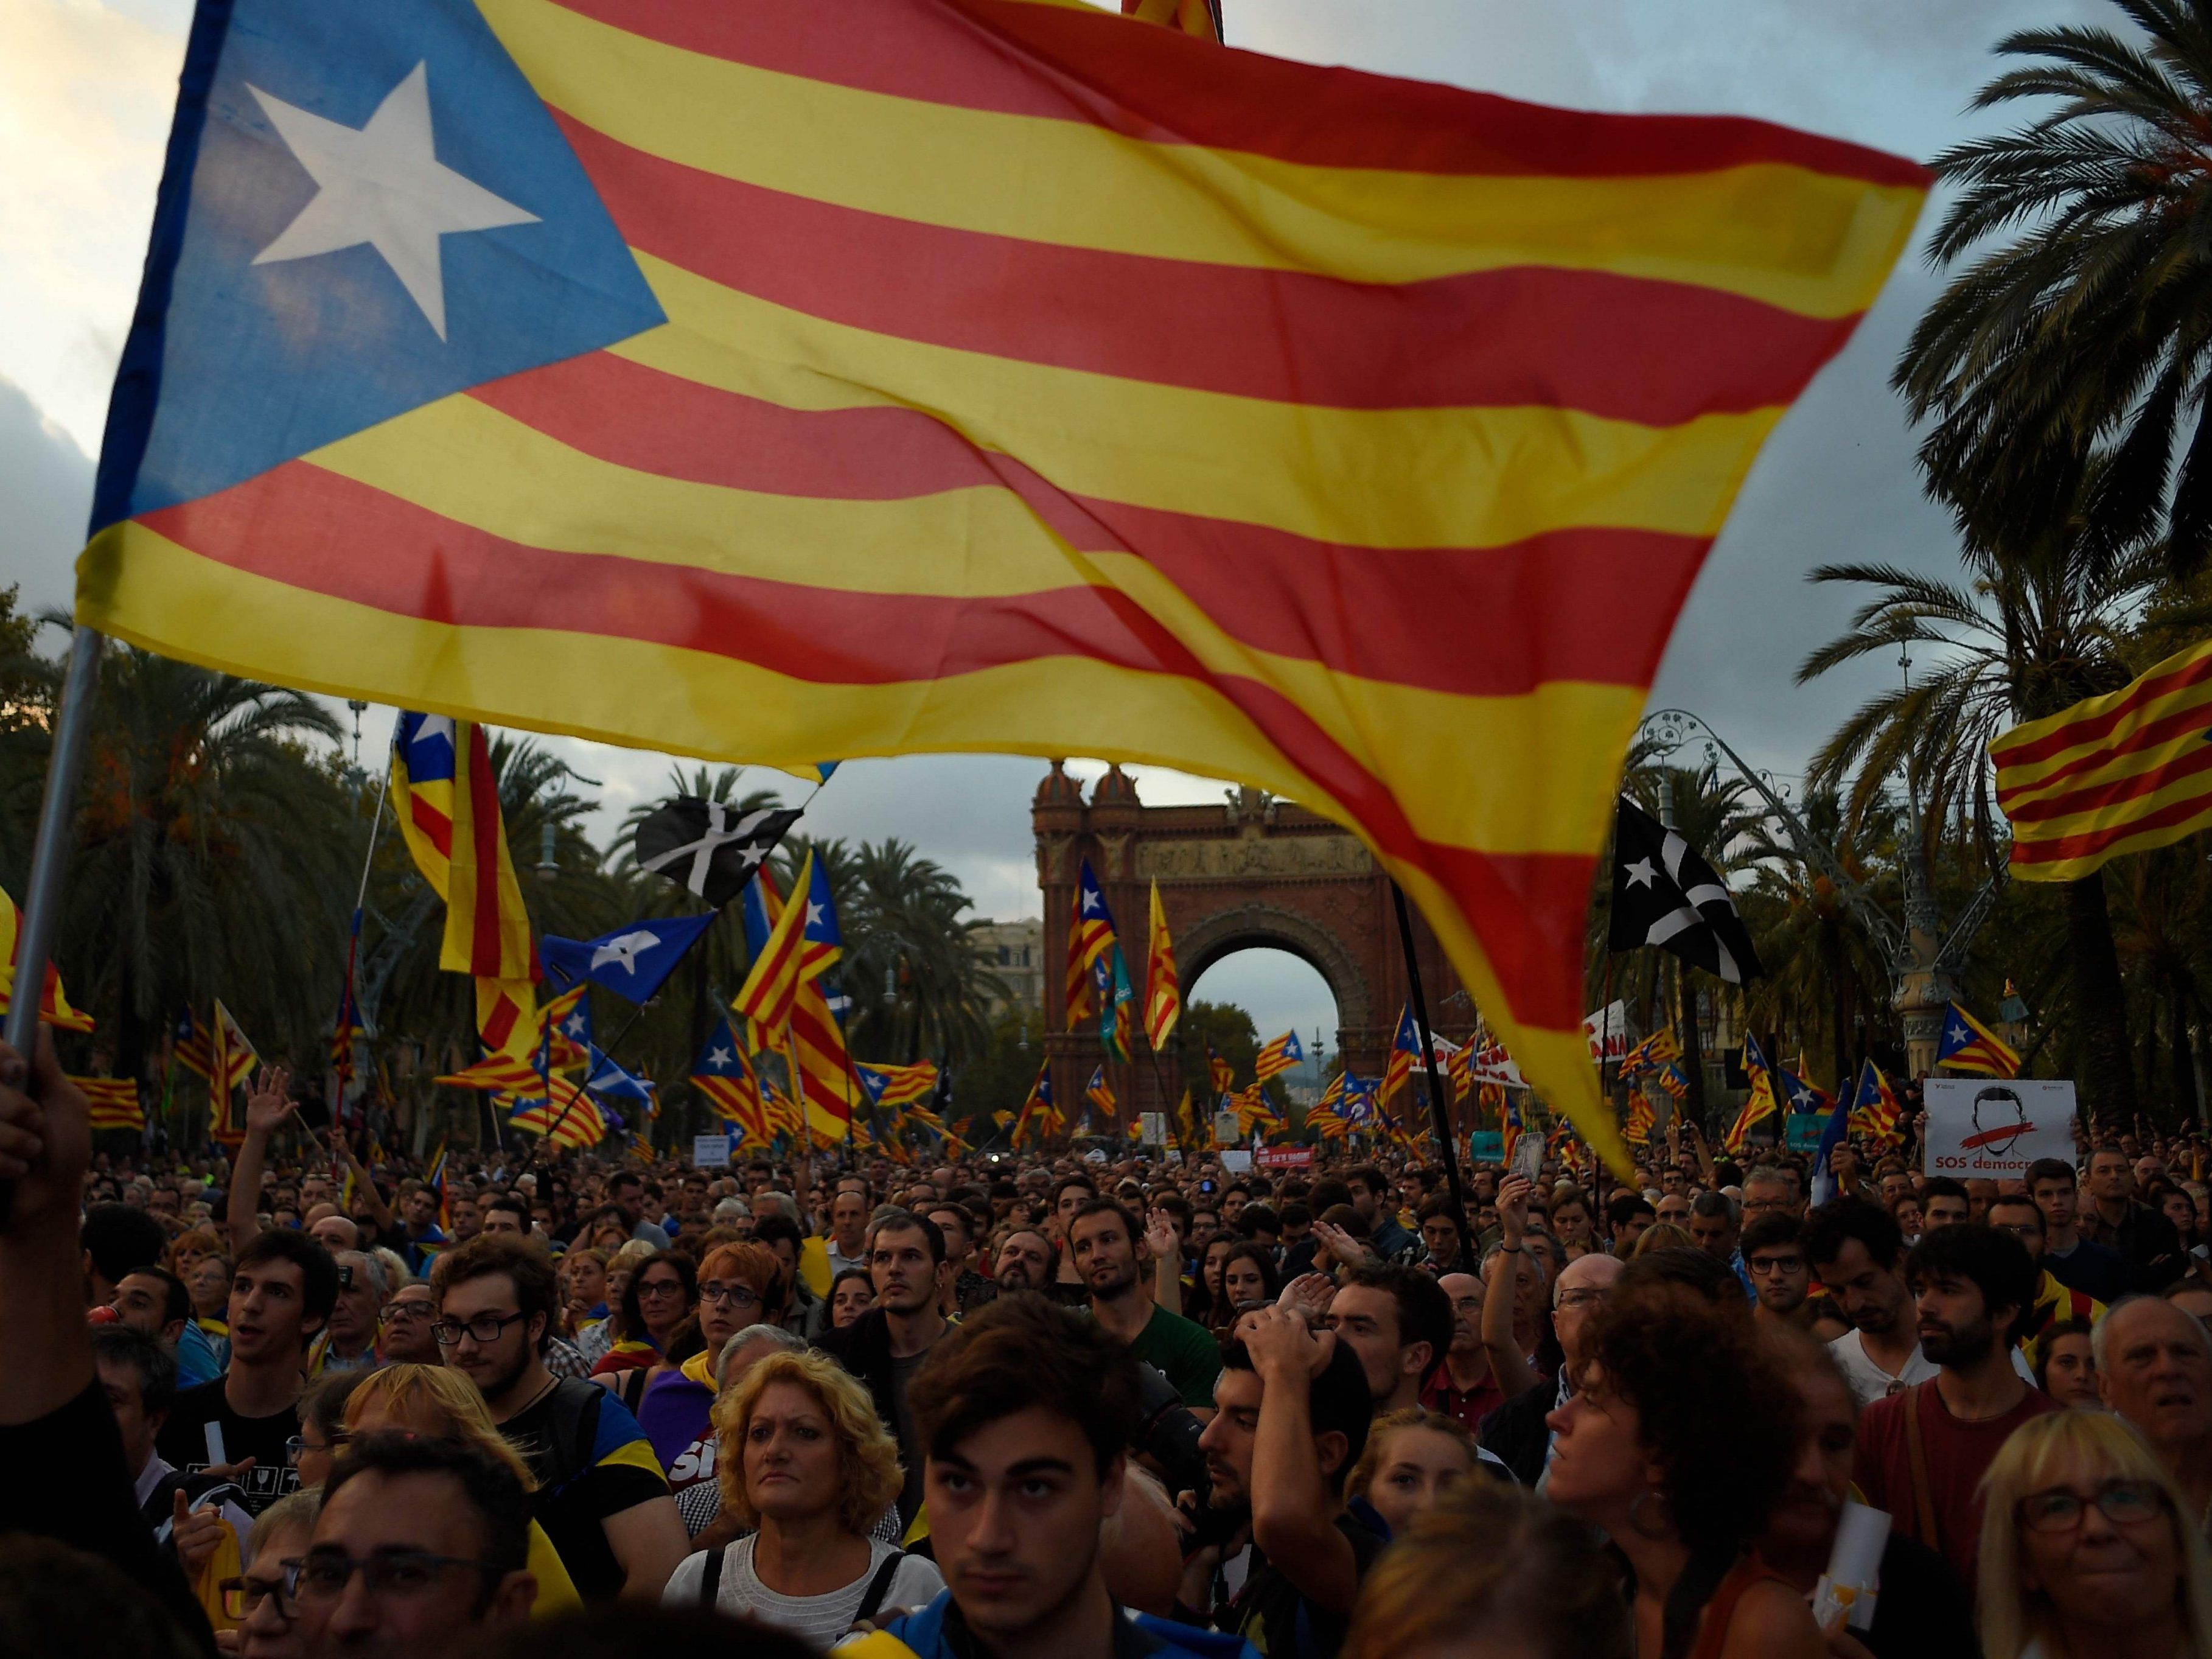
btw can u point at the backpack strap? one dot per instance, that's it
(1916, 1450)
(878, 1587)
(710, 1580)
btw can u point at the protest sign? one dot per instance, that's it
(711, 1152)
(1993, 1127)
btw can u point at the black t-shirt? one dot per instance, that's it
(1921, 1608)
(183, 1442)
(1270, 1613)
(592, 1460)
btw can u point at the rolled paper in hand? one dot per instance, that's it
(1854, 1574)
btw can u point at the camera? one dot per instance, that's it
(1168, 1434)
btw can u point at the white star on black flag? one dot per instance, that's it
(1665, 894)
(712, 848)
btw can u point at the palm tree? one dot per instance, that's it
(2042, 622)
(907, 933)
(215, 854)
(2086, 336)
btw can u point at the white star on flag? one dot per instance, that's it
(1641, 874)
(383, 185)
(625, 950)
(1091, 901)
(718, 1059)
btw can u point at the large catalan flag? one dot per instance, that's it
(2122, 773)
(769, 382)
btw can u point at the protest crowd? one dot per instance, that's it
(1046, 1402)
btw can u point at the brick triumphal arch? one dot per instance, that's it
(1253, 871)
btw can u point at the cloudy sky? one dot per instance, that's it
(85, 93)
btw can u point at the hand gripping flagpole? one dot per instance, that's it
(1436, 1107)
(50, 860)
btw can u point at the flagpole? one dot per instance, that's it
(1436, 1107)
(49, 858)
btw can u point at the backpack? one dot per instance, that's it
(710, 1583)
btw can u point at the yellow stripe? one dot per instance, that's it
(2089, 708)
(167, 598)
(2188, 787)
(1811, 242)
(2119, 769)
(466, 461)
(633, 1454)
(2029, 781)
(1364, 477)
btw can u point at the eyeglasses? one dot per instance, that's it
(405, 1313)
(732, 1296)
(2125, 1502)
(658, 1288)
(485, 1327)
(1577, 1298)
(241, 1596)
(1777, 1264)
(299, 1444)
(396, 1573)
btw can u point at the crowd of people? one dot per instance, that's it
(284, 1404)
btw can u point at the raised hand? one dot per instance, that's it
(1513, 1195)
(1160, 1240)
(269, 1102)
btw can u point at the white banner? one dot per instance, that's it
(1994, 1126)
(710, 1151)
(1155, 1128)
(1607, 1032)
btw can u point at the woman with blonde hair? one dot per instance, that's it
(2089, 1547)
(1412, 1458)
(1495, 1570)
(437, 1401)
(804, 1459)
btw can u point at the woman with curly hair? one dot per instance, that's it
(1679, 1438)
(804, 1459)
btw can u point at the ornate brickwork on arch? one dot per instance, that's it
(1253, 871)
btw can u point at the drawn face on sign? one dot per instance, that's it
(1999, 1121)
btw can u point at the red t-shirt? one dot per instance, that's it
(1957, 1453)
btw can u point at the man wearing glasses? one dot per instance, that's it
(404, 1328)
(601, 1497)
(418, 1551)
(1773, 1256)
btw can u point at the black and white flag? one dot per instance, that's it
(711, 847)
(1665, 894)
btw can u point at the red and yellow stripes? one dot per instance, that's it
(2122, 773)
(1039, 381)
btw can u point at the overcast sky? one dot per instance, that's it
(85, 93)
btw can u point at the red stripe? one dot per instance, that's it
(2091, 843)
(317, 530)
(1160, 85)
(1626, 348)
(1585, 603)
(2105, 796)
(2090, 728)
(435, 826)
(484, 833)
(2150, 735)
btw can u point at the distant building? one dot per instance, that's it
(1015, 952)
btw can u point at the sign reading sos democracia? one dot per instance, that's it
(1993, 1127)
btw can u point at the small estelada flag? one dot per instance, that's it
(1967, 1045)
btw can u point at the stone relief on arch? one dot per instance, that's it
(1259, 924)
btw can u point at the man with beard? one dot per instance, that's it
(1292, 1419)
(2154, 1369)
(1921, 1608)
(965, 1289)
(886, 1346)
(1025, 1411)
(1103, 1237)
(601, 1496)
(1856, 1249)
(1027, 1262)
(1922, 1452)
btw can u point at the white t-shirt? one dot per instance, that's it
(1869, 1382)
(820, 1619)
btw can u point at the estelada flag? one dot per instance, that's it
(770, 382)
(2122, 773)
(446, 801)
(1967, 1045)
(1876, 1112)
(1091, 940)
(1279, 1055)
(114, 1101)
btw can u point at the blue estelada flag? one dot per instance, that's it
(1832, 1135)
(633, 961)
(1798, 1095)
(606, 1078)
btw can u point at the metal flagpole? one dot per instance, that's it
(50, 860)
(1436, 1107)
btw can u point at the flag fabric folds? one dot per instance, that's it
(810, 1036)
(1665, 894)
(2117, 773)
(723, 1075)
(1163, 990)
(1091, 940)
(772, 984)
(114, 1101)
(1405, 1054)
(1967, 1045)
(1100, 1093)
(1651, 1053)
(1039, 1118)
(891, 1086)
(1279, 1055)
(1762, 1104)
(1876, 1113)
(447, 802)
(634, 962)
(786, 384)
(53, 1003)
(189, 1045)
(709, 848)
(1218, 1071)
